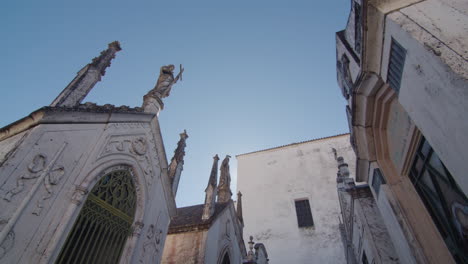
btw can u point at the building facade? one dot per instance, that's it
(290, 202)
(402, 67)
(85, 182)
(209, 232)
(364, 234)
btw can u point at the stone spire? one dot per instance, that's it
(239, 207)
(342, 176)
(86, 78)
(224, 189)
(210, 196)
(177, 162)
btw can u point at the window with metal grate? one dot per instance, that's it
(304, 215)
(395, 65)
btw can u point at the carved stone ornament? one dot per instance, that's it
(137, 227)
(136, 145)
(7, 244)
(79, 195)
(52, 178)
(36, 166)
(139, 146)
(151, 245)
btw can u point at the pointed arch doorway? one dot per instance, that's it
(104, 222)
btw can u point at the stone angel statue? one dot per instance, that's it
(166, 80)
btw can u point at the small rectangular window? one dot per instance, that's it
(304, 215)
(395, 65)
(377, 180)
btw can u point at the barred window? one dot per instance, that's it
(395, 65)
(304, 215)
(443, 198)
(377, 180)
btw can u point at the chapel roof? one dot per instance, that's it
(190, 218)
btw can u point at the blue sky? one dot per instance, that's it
(258, 74)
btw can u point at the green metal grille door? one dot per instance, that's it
(104, 223)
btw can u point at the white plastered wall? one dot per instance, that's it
(272, 180)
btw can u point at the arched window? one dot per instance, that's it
(226, 259)
(104, 223)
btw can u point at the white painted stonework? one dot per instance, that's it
(46, 178)
(271, 180)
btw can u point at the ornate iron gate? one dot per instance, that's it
(104, 223)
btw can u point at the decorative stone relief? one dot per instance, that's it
(7, 244)
(151, 245)
(52, 178)
(37, 165)
(79, 195)
(137, 227)
(136, 145)
(139, 146)
(152, 242)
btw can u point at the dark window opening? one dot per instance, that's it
(226, 259)
(364, 258)
(445, 201)
(377, 180)
(395, 65)
(304, 215)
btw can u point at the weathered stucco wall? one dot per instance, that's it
(272, 180)
(188, 248)
(371, 234)
(433, 87)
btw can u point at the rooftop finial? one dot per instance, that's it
(177, 162)
(86, 78)
(210, 191)
(224, 189)
(239, 207)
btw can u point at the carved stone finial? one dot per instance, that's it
(224, 190)
(251, 254)
(177, 162)
(239, 207)
(343, 170)
(86, 78)
(210, 191)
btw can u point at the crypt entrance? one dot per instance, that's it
(104, 223)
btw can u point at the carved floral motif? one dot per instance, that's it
(35, 168)
(136, 145)
(52, 178)
(151, 246)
